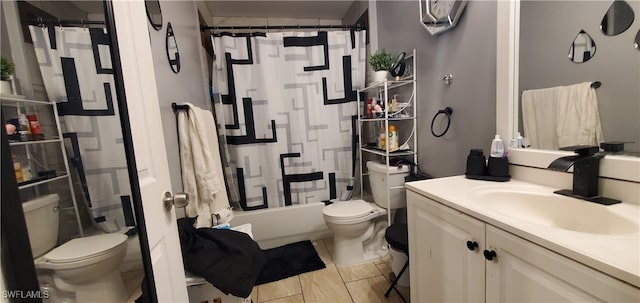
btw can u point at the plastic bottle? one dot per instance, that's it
(17, 169)
(519, 140)
(497, 147)
(34, 125)
(393, 138)
(382, 138)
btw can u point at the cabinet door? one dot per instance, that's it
(526, 272)
(442, 268)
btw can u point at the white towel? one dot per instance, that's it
(562, 116)
(202, 176)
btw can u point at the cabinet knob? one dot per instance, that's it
(489, 254)
(472, 245)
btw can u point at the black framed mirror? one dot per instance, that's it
(154, 13)
(172, 50)
(582, 48)
(618, 18)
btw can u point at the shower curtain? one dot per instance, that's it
(76, 68)
(288, 114)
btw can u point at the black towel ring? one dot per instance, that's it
(447, 111)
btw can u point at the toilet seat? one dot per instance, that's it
(350, 212)
(83, 251)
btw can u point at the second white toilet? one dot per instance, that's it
(358, 226)
(85, 266)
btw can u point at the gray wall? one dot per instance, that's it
(544, 61)
(187, 86)
(467, 52)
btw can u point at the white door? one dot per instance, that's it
(150, 154)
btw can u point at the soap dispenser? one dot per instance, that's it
(498, 164)
(497, 147)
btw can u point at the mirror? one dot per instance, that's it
(67, 48)
(636, 42)
(542, 64)
(172, 50)
(154, 13)
(618, 18)
(440, 16)
(582, 48)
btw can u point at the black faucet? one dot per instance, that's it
(586, 168)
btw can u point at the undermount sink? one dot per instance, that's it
(540, 207)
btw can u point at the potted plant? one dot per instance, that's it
(7, 68)
(381, 62)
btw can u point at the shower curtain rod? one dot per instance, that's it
(43, 22)
(273, 27)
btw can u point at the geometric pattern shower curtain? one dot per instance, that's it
(76, 68)
(288, 114)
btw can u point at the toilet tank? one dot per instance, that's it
(378, 182)
(41, 216)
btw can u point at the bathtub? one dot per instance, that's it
(274, 227)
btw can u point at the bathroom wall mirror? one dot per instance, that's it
(87, 190)
(154, 13)
(541, 62)
(582, 48)
(511, 23)
(172, 50)
(618, 18)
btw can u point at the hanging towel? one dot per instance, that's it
(202, 176)
(561, 116)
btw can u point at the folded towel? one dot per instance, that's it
(561, 116)
(202, 176)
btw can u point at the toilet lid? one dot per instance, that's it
(349, 209)
(83, 248)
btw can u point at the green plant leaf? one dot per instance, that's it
(381, 60)
(7, 68)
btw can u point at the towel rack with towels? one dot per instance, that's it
(594, 84)
(177, 107)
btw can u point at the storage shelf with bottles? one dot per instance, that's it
(37, 150)
(387, 122)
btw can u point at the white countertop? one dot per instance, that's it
(615, 255)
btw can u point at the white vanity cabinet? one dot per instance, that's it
(444, 268)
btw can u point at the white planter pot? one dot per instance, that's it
(5, 88)
(380, 76)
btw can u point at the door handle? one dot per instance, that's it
(179, 200)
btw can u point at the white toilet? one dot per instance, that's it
(358, 226)
(86, 266)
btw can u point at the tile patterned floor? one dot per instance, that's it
(362, 283)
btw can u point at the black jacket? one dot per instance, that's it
(228, 259)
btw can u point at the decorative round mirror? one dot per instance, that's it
(618, 18)
(583, 48)
(154, 13)
(172, 50)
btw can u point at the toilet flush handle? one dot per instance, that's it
(179, 200)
